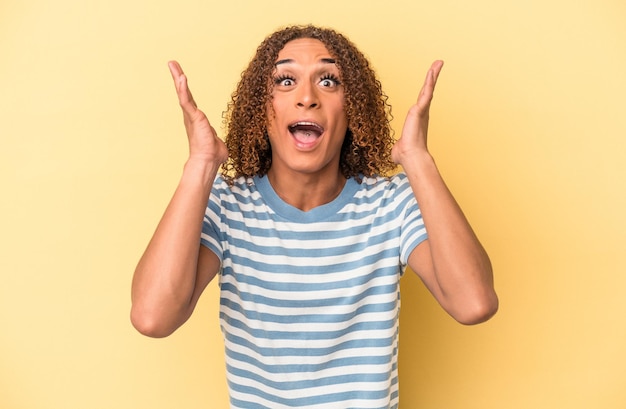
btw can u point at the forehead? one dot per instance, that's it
(304, 49)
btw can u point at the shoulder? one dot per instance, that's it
(231, 194)
(386, 194)
(387, 185)
(238, 186)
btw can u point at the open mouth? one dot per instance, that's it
(306, 132)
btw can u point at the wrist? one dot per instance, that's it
(417, 160)
(201, 169)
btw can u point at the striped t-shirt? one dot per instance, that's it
(309, 301)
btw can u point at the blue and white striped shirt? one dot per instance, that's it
(310, 301)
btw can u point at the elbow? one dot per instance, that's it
(479, 311)
(148, 324)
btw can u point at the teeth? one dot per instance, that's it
(305, 132)
(303, 123)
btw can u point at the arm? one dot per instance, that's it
(451, 262)
(175, 268)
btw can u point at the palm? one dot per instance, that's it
(415, 130)
(203, 140)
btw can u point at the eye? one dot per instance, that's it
(329, 81)
(284, 80)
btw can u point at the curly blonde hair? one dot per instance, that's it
(367, 145)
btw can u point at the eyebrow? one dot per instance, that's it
(290, 61)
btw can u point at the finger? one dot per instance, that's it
(177, 75)
(428, 89)
(185, 98)
(431, 77)
(436, 69)
(175, 69)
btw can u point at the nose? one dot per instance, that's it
(306, 96)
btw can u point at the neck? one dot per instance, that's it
(306, 192)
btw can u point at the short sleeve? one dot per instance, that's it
(413, 230)
(210, 236)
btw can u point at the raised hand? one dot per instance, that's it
(175, 268)
(452, 262)
(415, 131)
(204, 143)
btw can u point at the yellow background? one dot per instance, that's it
(528, 128)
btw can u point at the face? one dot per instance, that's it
(306, 118)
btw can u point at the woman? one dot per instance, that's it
(308, 229)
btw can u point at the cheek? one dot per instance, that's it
(340, 111)
(270, 117)
(342, 120)
(276, 102)
(274, 107)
